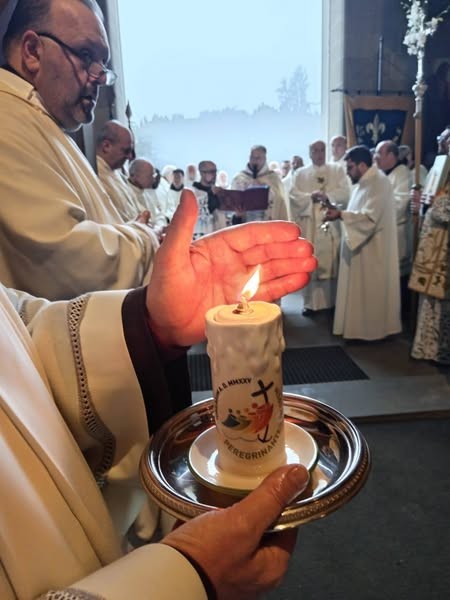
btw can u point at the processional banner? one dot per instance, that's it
(372, 119)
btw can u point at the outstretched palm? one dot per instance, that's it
(188, 279)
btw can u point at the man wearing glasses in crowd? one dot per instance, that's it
(62, 236)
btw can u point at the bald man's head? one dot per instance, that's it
(115, 144)
(141, 173)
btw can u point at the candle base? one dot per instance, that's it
(300, 448)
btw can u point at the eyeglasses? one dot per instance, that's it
(94, 69)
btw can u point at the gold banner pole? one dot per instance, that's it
(419, 89)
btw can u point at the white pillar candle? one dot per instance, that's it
(245, 349)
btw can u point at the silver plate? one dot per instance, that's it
(341, 470)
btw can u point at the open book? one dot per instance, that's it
(253, 198)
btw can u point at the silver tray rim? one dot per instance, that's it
(304, 509)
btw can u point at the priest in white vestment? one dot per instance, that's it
(338, 145)
(61, 234)
(141, 178)
(368, 293)
(115, 147)
(257, 173)
(314, 185)
(387, 159)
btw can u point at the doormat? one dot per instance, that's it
(316, 364)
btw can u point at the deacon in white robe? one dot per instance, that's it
(313, 184)
(368, 293)
(257, 173)
(61, 235)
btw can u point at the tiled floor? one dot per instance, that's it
(398, 386)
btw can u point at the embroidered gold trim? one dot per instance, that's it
(90, 419)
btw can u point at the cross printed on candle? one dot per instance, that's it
(263, 392)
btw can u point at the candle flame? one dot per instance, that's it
(252, 285)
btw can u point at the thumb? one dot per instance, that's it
(179, 232)
(265, 504)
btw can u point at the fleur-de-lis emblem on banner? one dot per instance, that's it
(377, 128)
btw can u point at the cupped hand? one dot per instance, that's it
(190, 278)
(230, 546)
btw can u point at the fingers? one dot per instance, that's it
(263, 506)
(179, 233)
(277, 288)
(248, 235)
(273, 269)
(297, 248)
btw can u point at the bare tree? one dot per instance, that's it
(292, 93)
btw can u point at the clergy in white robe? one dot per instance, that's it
(257, 173)
(119, 190)
(141, 178)
(115, 146)
(320, 181)
(147, 199)
(161, 187)
(61, 235)
(387, 158)
(368, 293)
(400, 178)
(338, 145)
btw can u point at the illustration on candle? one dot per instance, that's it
(245, 343)
(252, 421)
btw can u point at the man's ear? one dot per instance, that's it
(31, 51)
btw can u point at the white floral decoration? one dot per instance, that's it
(418, 28)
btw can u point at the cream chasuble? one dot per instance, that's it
(61, 235)
(332, 180)
(277, 199)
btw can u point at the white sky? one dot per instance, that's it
(184, 57)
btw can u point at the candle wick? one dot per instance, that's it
(243, 307)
